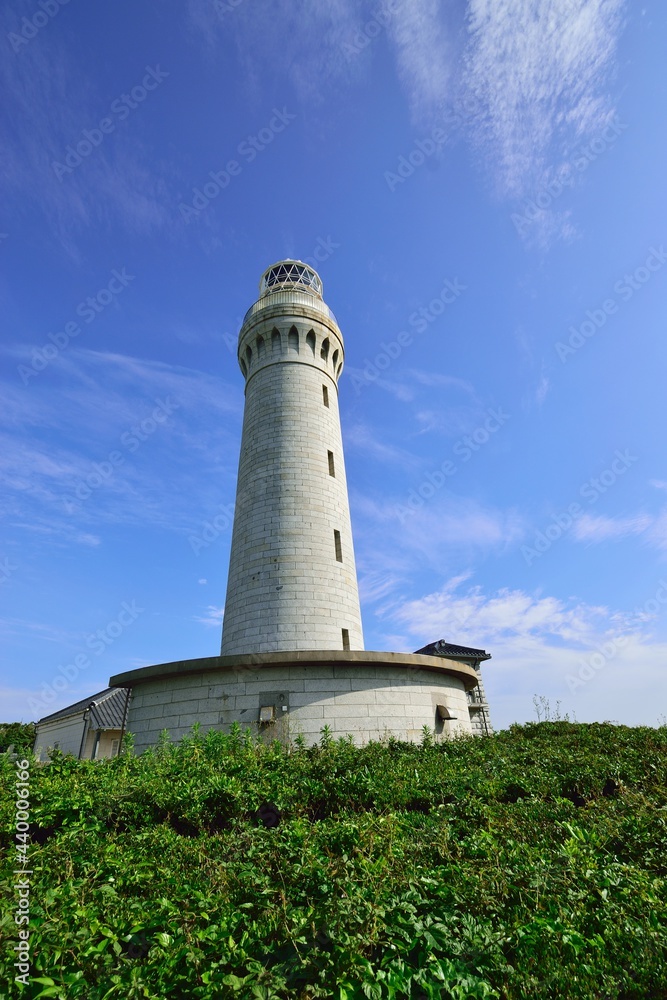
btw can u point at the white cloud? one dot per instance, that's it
(424, 57)
(91, 404)
(600, 528)
(303, 44)
(658, 531)
(362, 438)
(213, 616)
(539, 69)
(507, 613)
(544, 645)
(542, 390)
(47, 105)
(444, 532)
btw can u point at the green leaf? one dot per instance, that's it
(233, 981)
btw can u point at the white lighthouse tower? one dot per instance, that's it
(293, 658)
(292, 581)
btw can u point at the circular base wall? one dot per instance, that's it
(369, 695)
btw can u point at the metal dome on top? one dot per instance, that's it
(290, 272)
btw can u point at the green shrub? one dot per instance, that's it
(530, 864)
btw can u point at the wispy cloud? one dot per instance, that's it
(301, 44)
(60, 480)
(446, 528)
(599, 528)
(424, 56)
(213, 616)
(47, 104)
(361, 438)
(540, 71)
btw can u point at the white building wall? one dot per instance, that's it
(367, 701)
(286, 589)
(105, 747)
(65, 732)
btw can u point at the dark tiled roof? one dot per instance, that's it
(107, 713)
(442, 648)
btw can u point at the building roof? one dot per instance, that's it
(106, 709)
(452, 651)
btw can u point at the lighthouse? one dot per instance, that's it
(292, 658)
(292, 581)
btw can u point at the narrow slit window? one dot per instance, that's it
(346, 638)
(337, 545)
(325, 395)
(332, 467)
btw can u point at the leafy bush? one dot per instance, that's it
(529, 864)
(19, 735)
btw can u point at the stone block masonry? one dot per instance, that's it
(393, 692)
(292, 581)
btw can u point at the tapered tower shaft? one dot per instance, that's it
(292, 581)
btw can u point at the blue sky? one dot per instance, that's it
(481, 188)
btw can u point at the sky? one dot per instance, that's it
(481, 189)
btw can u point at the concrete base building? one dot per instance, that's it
(292, 657)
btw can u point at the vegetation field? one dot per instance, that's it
(529, 864)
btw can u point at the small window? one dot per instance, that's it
(275, 343)
(115, 744)
(310, 341)
(337, 546)
(293, 340)
(248, 355)
(260, 347)
(346, 638)
(324, 353)
(325, 395)
(243, 367)
(334, 359)
(332, 467)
